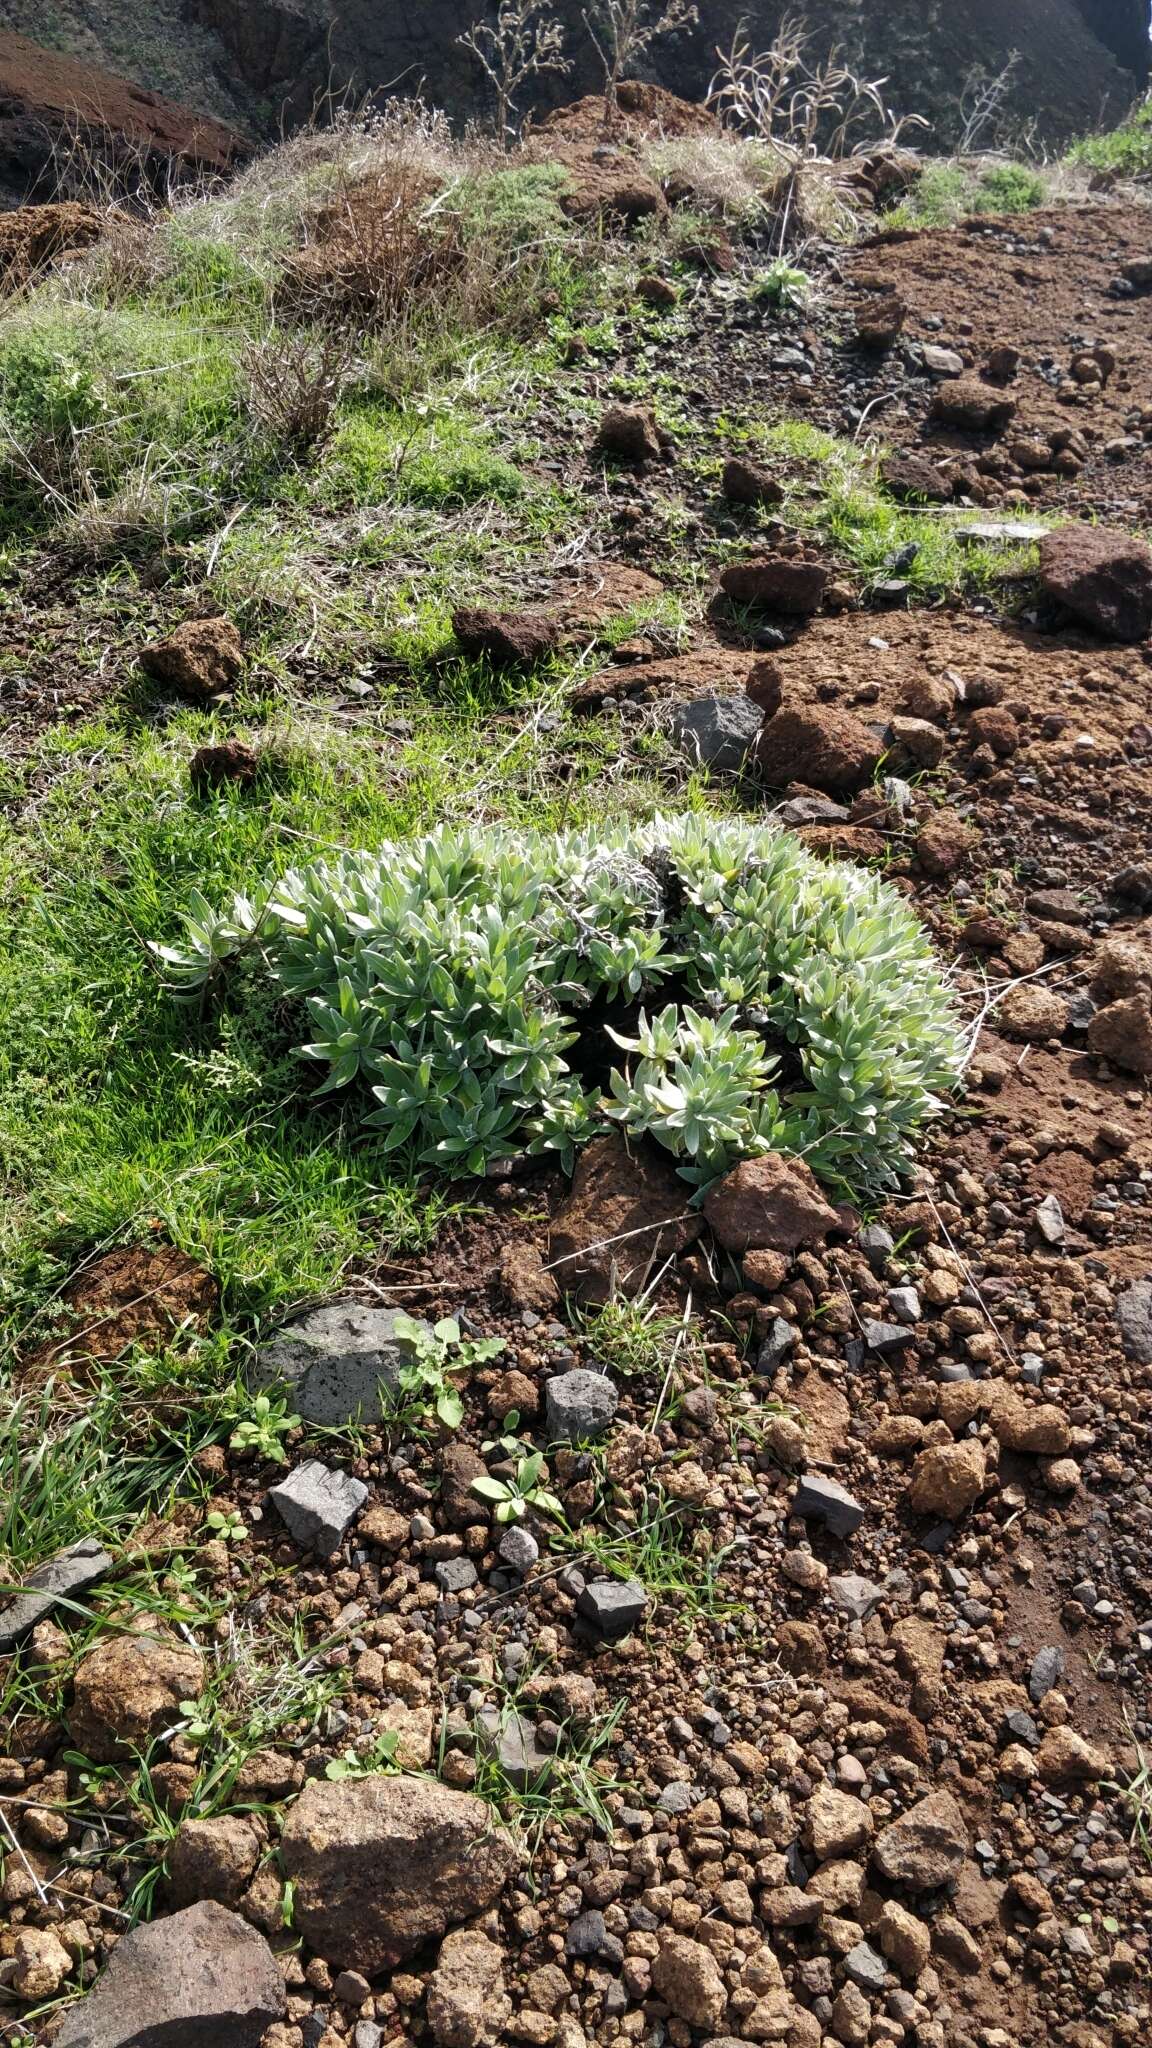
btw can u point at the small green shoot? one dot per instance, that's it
(514, 1497)
(263, 1428)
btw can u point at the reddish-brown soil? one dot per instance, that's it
(51, 104)
(1038, 283)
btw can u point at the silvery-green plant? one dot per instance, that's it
(445, 978)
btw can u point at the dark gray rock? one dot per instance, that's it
(884, 1338)
(613, 1607)
(717, 732)
(317, 1503)
(810, 810)
(587, 1935)
(1134, 1315)
(456, 1575)
(822, 1500)
(519, 1549)
(855, 1596)
(780, 1340)
(337, 1363)
(66, 1574)
(1047, 1670)
(865, 1967)
(1020, 1727)
(904, 1303)
(202, 1978)
(511, 1741)
(579, 1405)
(877, 1245)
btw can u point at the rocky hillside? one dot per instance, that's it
(62, 119)
(575, 1120)
(256, 59)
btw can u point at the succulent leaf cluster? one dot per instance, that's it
(777, 1002)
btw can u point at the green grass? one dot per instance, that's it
(947, 192)
(117, 1108)
(849, 506)
(1126, 150)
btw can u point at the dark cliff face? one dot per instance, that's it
(1069, 74)
(1122, 27)
(276, 61)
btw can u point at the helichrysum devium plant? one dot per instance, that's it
(780, 1003)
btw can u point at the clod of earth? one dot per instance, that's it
(200, 660)
(776, 584)
(385, 1864)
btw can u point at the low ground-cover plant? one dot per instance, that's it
(478, 985)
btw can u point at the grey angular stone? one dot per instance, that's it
(676, 1797)
(855, 1596)
(336, 1362)
(579, 1405)
(518, 1548)
(367, 2034)
(810, 810)
(865, 1967)
(510, 1740)
(1020, 1727)
(717, 732)
(613, 1607)
(885, 1337)
(1134, 1315)
(586, 1935)
(904, 1303)
(1046, 1672)
(822, 1500)
(991, 533)
(202, 1978)
(1050, 1220)
(317, 1503)
(456, 1575)
(69, 1572)
(877, 1245)
(780, 1340)
(941, 362)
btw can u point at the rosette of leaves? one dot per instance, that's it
(777, 1002)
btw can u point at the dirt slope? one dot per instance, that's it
(46, 98)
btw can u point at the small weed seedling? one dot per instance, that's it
(380, 1756)
(514, 1497)
(781, 286)
(227, 1527)
(263, 1428)
(425, 1381)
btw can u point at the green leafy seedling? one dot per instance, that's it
(229, 1527)
(379, 1757)
(426, 1378)
(262, 1430)
(513, 1497)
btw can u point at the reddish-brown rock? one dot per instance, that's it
(383, 1864)
(966, 402)
(776, 584)
(818, 745)
(129, 1688)
(1102, 577)
(627, 1212)
(771, 1204)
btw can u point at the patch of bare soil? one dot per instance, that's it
(136, 1294)
(1044, 285)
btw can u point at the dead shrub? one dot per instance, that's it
(378, 248)
(295, 380)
